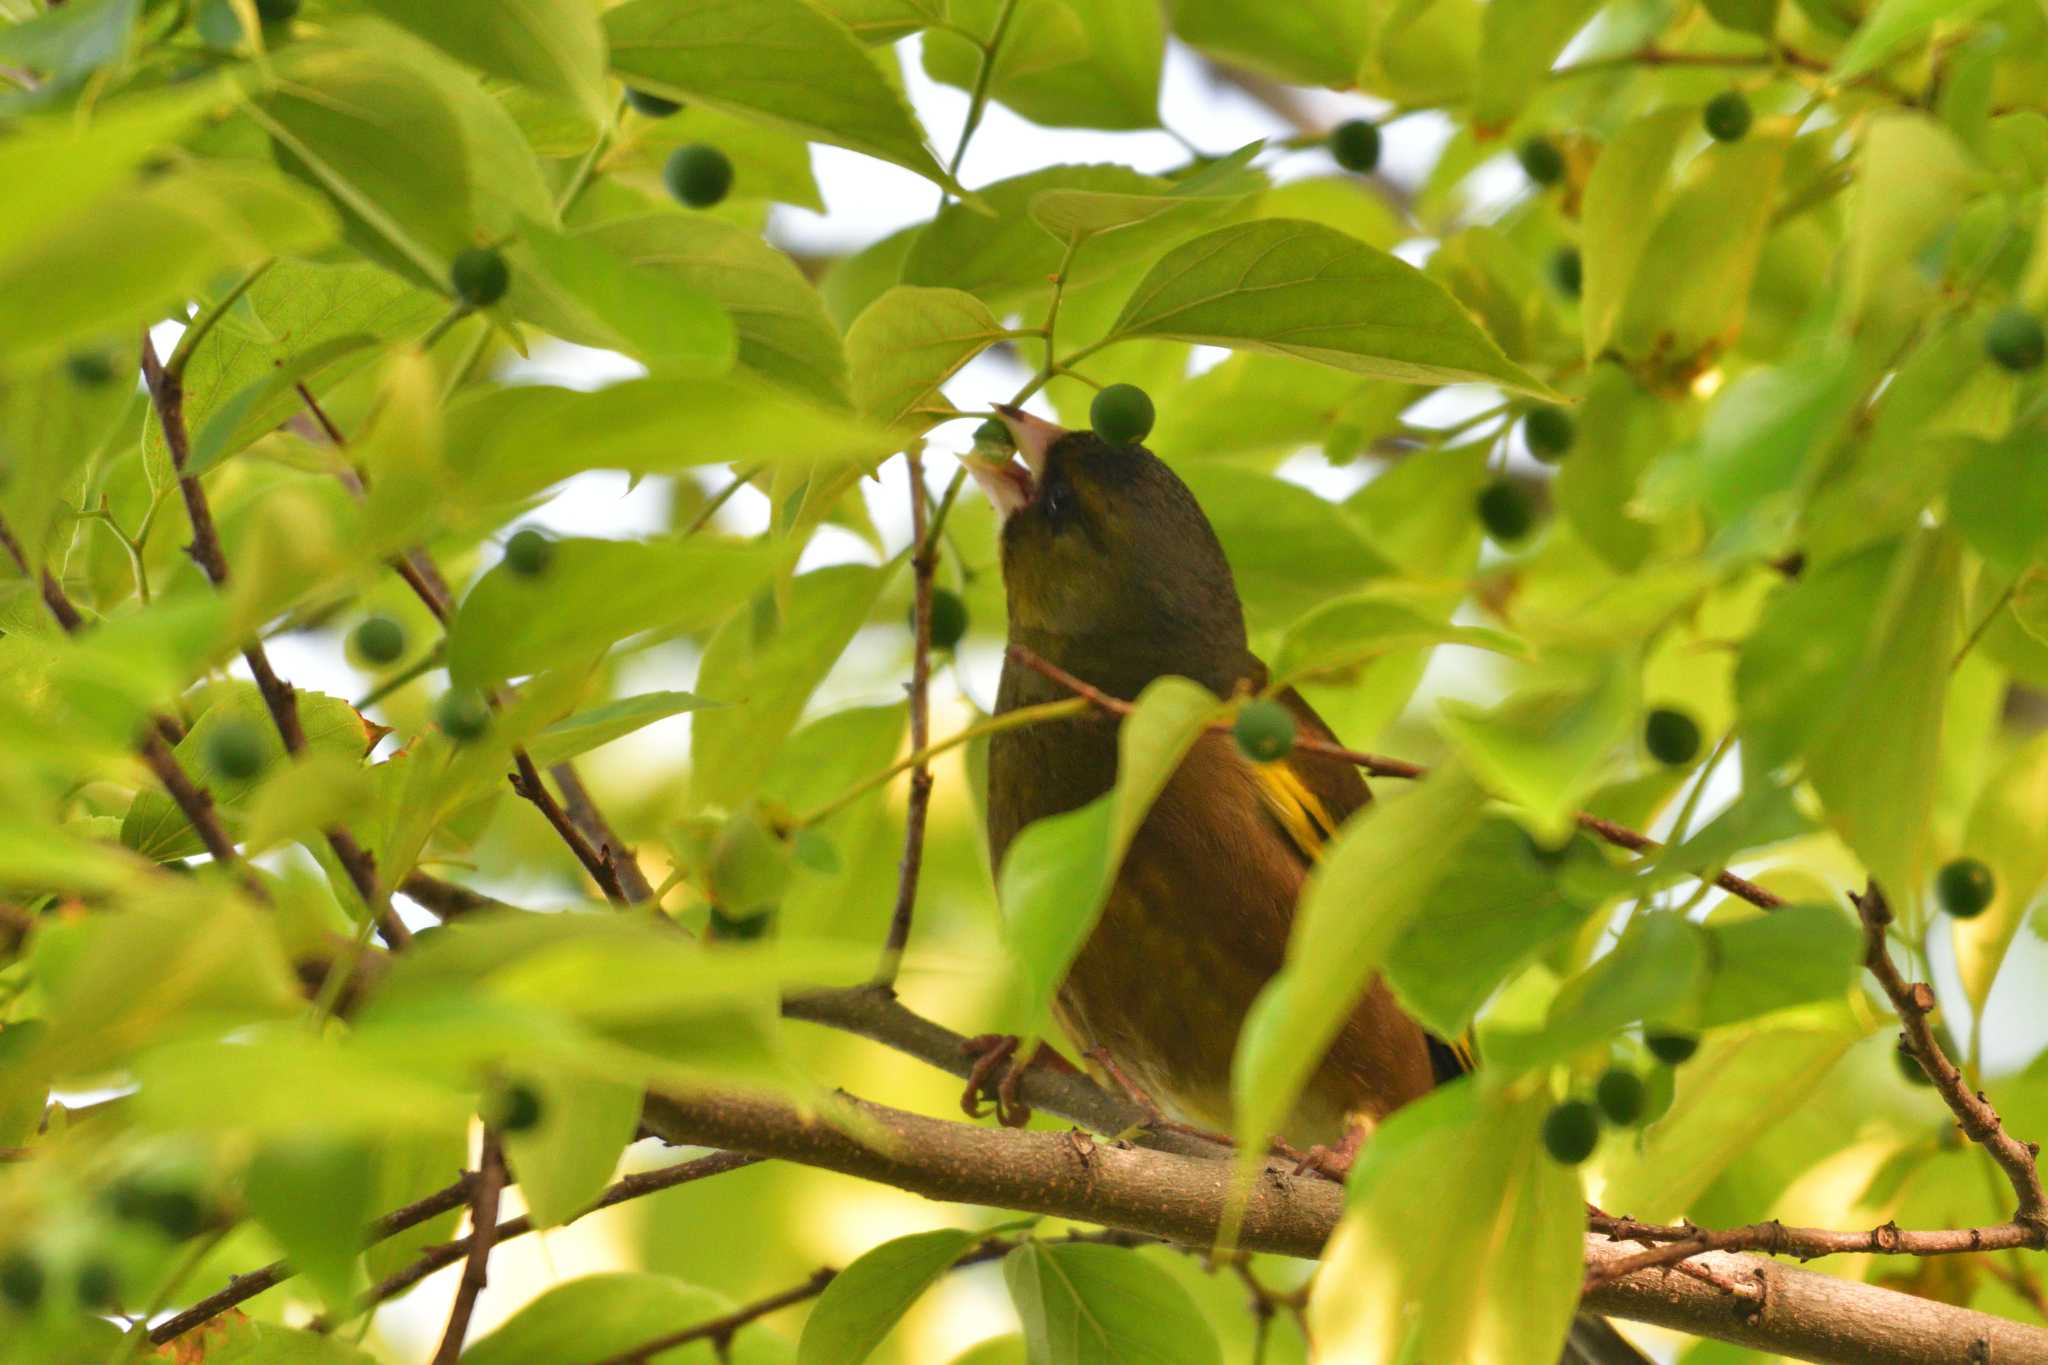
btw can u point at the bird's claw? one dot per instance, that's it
(996, 1053)
(1333, 1162)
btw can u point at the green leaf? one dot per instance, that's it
(765, 664)
(139, 249)
(1625, 197)
(869, 1297)
(1800, 660)
(81, 37)
(907, 343)
(579, 288)
(600, 725)
(1058, 872)
(853, 282)
(315, 1196)
(1518, 42)
(293, 1086)
(583, 1321)
(239, 1341)
(1879, 797)
(785, 334)
(1910, 175)
(1761, 816)
(884, 21)
(1496, 908)
(1099, 1305)
(1461, 1238)
(565, 1161)
(1301, 289)
(1317, 42)
(1289, 549)
(1546, 750)
(1998, 502)
(1894, 24)
(595, 593)
(1798, 955)
(555, 46)
(219, 438)
(1654, 974)
(821, 84)
(1374, 879)
(2005, 832)
(1334, 640)
(1254, 404)
(1746, 16)
(1062, 65)
(377, 135)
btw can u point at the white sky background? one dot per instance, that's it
(866, 200)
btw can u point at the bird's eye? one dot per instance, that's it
(1059, 501)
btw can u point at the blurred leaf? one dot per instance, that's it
(411, 1168)
(1621, 429)
(315, 1196)
(1625, 196)
(1058, 871)
(138, 249)
(764, 669)
(83, 36)
(1746, 16)
(597, 592)
(907, 343)
(1460, 1234)
(1910, 174)
(218, 439)
(1010, 1350)
(1998, 502)
(1797, 955)
(1301, 289)
(853, 282)
(1892, 24)
(869, 1297)
(1100, 1305)
(2005, 832)
(587, 292)
(553, 45)
(587, 1320)
(1374, 879)
(1545, 750)
(1062, 65)
(600, 725)
(1319, 42)
(1334, 639)
(1803, 655)
(821, 84)
(292, 1086)
(1289, 550)
(56, 173)
(1654, 974)
(564, 1161)
(237, 1341)
(1519, 40)
(1762, 815)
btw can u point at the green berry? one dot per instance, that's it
(89, 369)
(1549, 432)
(1356, 145)
(652, 106)
(277, 11)
(517, 1109)
(1571, 1131)
(1568, 271)
(739, 928)
(1505, 511)
(21, 1280)
(99, 1285)
(1672, 1049)
(1672, 737)
(949, 618)
(1621, 1095)
(1121, 413)
(529, 552)
(480, 277)
(697, 175)
(1541, 161)
(1727, 116)
(1264, 730)
(993, 435)
(463, 714)
(2014, 339)
(378, 640)
(172, 1210)
(235, 750)
(1965, 887)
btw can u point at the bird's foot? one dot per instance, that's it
(1333, 1162)
(996, 1060)
(1155, 1117)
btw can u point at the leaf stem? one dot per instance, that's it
(977, 102)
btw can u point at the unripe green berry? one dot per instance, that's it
(171, 1209)
(1121, 413)
(463, 714)
(98, 1284)
(276, 11)
(1571, 1131)
(1356, 145)
(529, 552)
(480, 276)
(697, 175)
(949, 618)
(740, 928)
(516, 1109)
(1541, 161)
(651, 106)
(378, 640)
(21, 1280)
(1505, 511)
(1965, 888)
(1672, 737)
(2014, 339)
(89, 369)
(1727, 117)
(1549, 433)
(1670, 1048)
(993, 435)
(1621, 1096)
(1909, 1065)
(235, 750)
(1568, 271)
(1264, 730)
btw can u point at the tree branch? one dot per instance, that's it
(476, 1267)
(923, 561)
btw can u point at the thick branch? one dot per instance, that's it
(1793, 1312)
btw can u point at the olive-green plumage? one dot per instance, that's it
(1114, 574)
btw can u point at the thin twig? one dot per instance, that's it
(1680, 1242)
(923, 559)
(476, 1269)
(526, 781)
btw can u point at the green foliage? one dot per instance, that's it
(1089, 1303)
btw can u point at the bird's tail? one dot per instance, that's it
(1593, 1341)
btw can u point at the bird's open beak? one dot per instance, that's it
(1011, 479)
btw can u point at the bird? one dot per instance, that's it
(1113, 574)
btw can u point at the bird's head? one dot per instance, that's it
(1109, 565)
